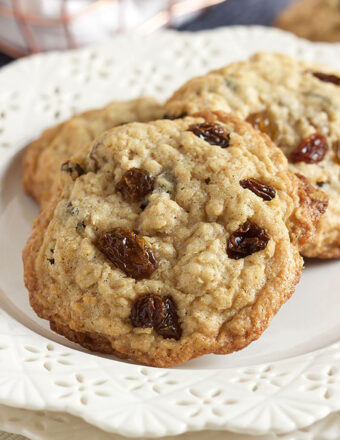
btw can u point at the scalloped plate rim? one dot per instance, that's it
(184, 426)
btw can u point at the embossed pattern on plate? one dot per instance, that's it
(278, 384)
(45, 425)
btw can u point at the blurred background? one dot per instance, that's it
(31, 26)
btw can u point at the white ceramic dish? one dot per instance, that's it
(45, 425)
(289, 379)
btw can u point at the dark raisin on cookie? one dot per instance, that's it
(51, 260)
(169, 327)
(152, 311)
(246, 240)
(143, 205)
(73, 169)
(336, 148)
(128, 251)
(214, 134)
(264, 122)
(320, 184)
(147, 311)
(325, 77)
(135, 184)
(266, 192)
(311, 150)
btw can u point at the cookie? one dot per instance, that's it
(45, 155)
(298, 105)
(316, 20)
(178, 239)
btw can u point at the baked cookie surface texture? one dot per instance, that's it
(44, 156)
(178, 239)
(298, 105)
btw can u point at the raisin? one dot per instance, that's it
(128, 251)
(147, 311)
(325, 77)
(264, 122)
(152, 311)
(311, 150)
(336, 147)
(135, 184)
(169, 327)
(266, 192)
(172, 117)
(73, 169)
(51, 260)
(143, 205)
(320, 184)
(246, 240)
(214, 134)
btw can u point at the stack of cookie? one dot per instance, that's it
(165, 240)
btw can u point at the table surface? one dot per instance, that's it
(231, 12)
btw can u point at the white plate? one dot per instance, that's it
(278, 384)
(44, 425)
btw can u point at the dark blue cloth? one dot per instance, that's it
(229, 12)
(4, 59)
(262, 12)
